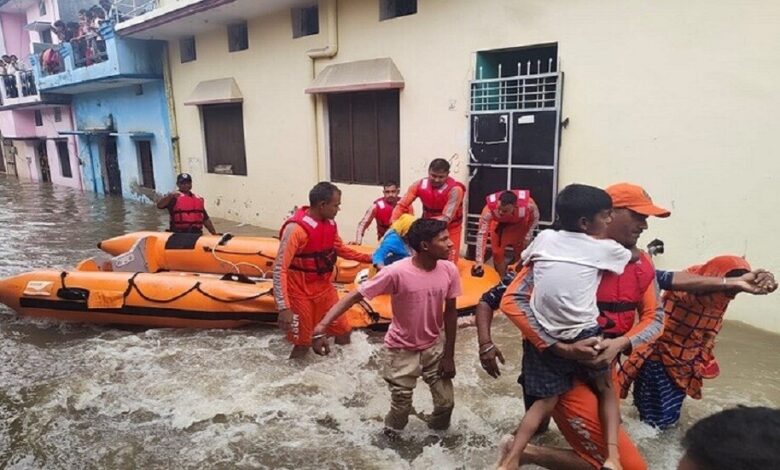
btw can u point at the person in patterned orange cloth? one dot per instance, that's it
(674, 366)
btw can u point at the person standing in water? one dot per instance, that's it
(187, 210)
(308, 247)
(420, 341)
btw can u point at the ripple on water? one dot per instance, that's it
(74, 396)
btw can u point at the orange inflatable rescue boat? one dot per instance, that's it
(251, 256)
(131, 289)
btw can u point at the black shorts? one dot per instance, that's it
(547, 375)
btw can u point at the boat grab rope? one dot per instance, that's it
(131, 285)
(235, 266)
(372, 314)
(239, 253)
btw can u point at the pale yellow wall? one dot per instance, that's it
(679, 97)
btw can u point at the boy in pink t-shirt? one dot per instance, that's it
(422, 292)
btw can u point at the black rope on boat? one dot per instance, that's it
(230, 301)
(238, 253)
(196, 287)
(372, 314)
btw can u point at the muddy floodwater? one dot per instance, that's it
(81, 396)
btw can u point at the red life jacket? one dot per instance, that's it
(521, 206)
(318, 257)
(618, 296)
(435, 200)
(383, 213)
(188, 213)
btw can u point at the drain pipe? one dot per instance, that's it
(168, 90)
(326, 52)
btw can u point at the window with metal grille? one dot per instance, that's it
(145, 163)
(364, 137)
(305, 21)
(187, 49)
(389, 9)
(223, 129)
(64, 157)
(238, 37)
(38, 118)
(58, 114)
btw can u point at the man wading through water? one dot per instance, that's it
(422, 292)
(304, 266)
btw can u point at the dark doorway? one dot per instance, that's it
(113, 178)
(145, 162)
(64, 156)
(43, 161)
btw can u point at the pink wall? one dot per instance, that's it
(16, 38)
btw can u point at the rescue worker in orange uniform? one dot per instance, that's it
(508, 219)
(303, 269)
(381, 210)
(634, 292)
(187, 210)
(441, 197)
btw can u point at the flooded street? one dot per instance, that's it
(80, 396)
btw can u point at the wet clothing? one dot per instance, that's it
(308, 298)
(187, 213)
(691, 323)
(657, 398)
(576, 412)
(392, 248)
(445, 203)
(307, 313)
(401, 369)
(516, 232)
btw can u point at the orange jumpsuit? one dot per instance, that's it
(309, 300)
(576, 412)
(501, 236)
(452, 214)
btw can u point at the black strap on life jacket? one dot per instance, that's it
(617, 306)
(324, 261)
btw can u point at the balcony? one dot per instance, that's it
(98, 62)
(18, 90)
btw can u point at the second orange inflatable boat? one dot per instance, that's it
(252, 256)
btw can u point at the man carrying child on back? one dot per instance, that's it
(567, 268)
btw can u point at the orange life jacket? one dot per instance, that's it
(521, 206)
(618, 296)
(434, 200)
(383, 214)
(318, 257)
(188, 213)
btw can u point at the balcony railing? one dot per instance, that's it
(125, 9)
(17, 85)
(93, 58)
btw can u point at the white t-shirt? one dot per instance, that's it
(567, 271)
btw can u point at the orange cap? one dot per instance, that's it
(631, 196)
